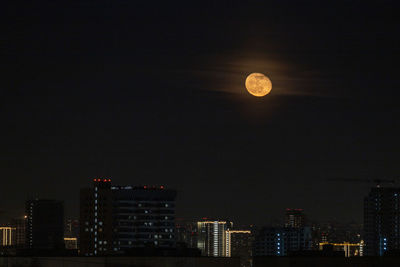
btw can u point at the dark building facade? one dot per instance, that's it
(19, 224)
(276, 241)
(114, 219)
(186, 233)
(382, 221)
(239, 244)
(44, 224)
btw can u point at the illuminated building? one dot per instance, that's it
(276, 241)
(382, 221)
(212, 238)
(7, 236)
(350, 249)
(45, 224)
(295, 218)
(239, 244)
(71, 242)
(114, 219)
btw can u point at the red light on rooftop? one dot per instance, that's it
(162, 187)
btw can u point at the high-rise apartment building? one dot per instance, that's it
(276, 241)
(295, 218)
(382, 221)
(211, 238)
(45, 224)
(114, 219)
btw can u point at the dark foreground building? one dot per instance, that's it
(120, 219)
(119, 261)
(323, 261)
(44, 224)
(382, 221)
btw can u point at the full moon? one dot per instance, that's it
(258, 84)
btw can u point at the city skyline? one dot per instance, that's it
(154, 93)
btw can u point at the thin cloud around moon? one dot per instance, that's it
(227, 74)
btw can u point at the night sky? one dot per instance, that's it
(153, 93)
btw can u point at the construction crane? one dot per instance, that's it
(377, 182)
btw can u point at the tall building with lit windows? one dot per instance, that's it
(114, 219)
(44, 224)
(382, 221)
(295, 218)
(211, 238)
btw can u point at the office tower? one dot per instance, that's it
(96, 218)
(382, 221)
(114, 219)
(45, 224)
(19, 224)
(7, 236)
(239, 244)
(212, 238)
(276, 241)
(295, 218)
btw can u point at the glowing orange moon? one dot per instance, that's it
(258, 84)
